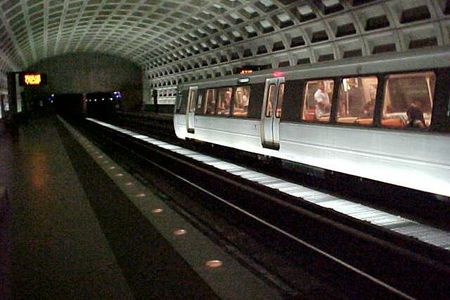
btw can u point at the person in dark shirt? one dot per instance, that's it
(415, 115)
(355, 101)
(368, 108)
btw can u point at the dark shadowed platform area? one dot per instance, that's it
(60, 246)
(57, 248)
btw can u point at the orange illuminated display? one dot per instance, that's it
(246, 72)
(32, 79)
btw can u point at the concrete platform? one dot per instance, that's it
(81, 231)
(58, 248)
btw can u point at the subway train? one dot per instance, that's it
(385, 118)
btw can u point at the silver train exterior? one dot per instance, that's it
(416, 159)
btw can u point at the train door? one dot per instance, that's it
(271, 113)
(2, 113)
(190, 111)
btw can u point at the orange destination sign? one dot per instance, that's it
(32, 79)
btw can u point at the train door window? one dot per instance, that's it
(210, 102)
(317, 100)
(271, 95)
(357, 100)
(192, 100)
(241, 100)
(408, 100)
(177, 103)
(224, 101)
(182, 102)
(448, 111)
(446, 121)
(1, 106)
(280, 100)
(6, 103)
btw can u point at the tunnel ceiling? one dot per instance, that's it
(182, 40)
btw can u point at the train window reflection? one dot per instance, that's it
(240, 103)
(357, 100)
(317, 100)
(223, 101)
(408, 100)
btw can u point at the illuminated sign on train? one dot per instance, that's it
(247, 70)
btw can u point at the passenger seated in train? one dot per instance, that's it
(321, 100)
(224, 101)
(241, 100)
(399, 111)
(355, 99)
(415, 115)
(369, 107)
(210, 107)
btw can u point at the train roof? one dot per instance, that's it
(423, 59)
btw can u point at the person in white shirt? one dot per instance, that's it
(321, 100)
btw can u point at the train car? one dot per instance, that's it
(384, 118)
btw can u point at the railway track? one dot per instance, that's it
(356, 249)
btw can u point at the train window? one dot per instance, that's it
(256, 101)
(357, 100)
(241, 99)
(408, 100)
(177, 103)
(224, 101)
(291, 99)
(448, 113)
(210, 102)
(280, 100)
(271, 95)
(317, 100)
(192, 100)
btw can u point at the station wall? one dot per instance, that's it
(93, 72)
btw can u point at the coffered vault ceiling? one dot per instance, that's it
(181, 40)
